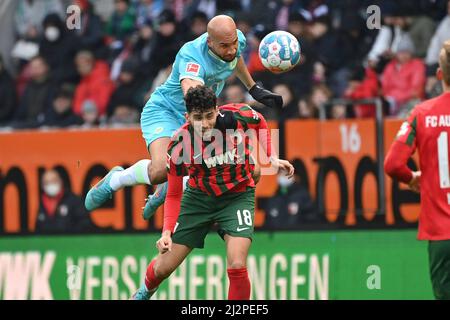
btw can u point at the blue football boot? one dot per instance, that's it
(101, 192)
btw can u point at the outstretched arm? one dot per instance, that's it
(243, 74)
(258, 93)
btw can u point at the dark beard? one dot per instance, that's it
(220, 56)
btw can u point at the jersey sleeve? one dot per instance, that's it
(175, 163)
(172, 203)
(190, 68)
(407, 132)
(255, 120)
(395, 164)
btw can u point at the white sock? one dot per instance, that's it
(185, 181)
(136, 174)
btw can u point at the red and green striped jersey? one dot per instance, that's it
(222, 164)
(427, 130)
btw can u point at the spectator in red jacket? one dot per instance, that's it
(254, 63)
(403, 79)
(95, 85)
(363, 84)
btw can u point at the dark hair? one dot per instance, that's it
(200, 98)
(199, 15)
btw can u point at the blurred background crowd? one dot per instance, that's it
(103, 73)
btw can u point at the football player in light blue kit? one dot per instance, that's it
(210, 60)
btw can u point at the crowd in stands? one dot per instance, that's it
(103, 73)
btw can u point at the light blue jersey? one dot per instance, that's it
(164, 112)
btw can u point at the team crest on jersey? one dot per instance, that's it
(193, 68)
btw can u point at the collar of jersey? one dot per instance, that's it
(216, 57)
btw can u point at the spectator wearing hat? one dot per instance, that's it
(127, 91)
(355, 39)
(197, 26)
(61, 114)
(143, 44)
(95, 85)
(327, 48)
(90, 115)
(300, 78)
(36, 99)
(392, 31)
(58, 47)
(363, 84)
(30, 14)
(124, 115)
(91, 32)
(403, 79)
(165, 45)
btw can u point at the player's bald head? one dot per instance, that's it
(221, 26)
(222, 37)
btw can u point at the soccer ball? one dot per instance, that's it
(279, 51)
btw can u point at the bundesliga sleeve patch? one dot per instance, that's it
(193, 68)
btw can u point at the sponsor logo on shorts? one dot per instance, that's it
(242, 229)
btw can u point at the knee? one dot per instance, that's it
(157, 173)
(237, 264)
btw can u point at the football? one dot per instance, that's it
(279, 51)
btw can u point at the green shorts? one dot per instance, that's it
(233, 212)
(439, 259)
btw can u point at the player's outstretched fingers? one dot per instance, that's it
(287, 167)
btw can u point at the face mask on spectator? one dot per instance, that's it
(52, 189)
(284, 181)
(52, 34)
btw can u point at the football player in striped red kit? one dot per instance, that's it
(216, 154)
(427, 130)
